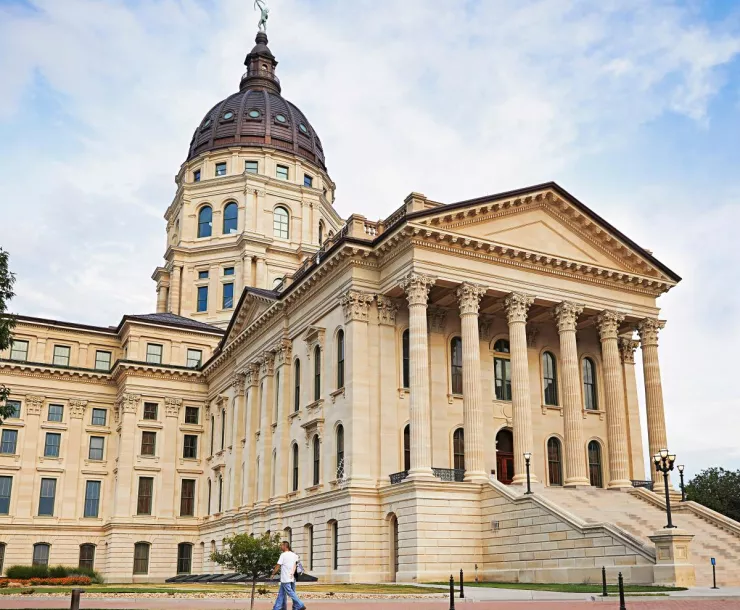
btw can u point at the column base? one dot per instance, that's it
(421, 474)
(619, 484)
(521, 479)
(577, 482)
(477, 476)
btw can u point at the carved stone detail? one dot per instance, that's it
(607, 322)
(314, 336)
(627, 347)
(252, 374)
(238, 381)
(417, 287)
(532, 336)
(387, 309)
(566, 315)
(648, 329)
(436, 317)
(469, 296)
(34, 404)
(267, 364)
(77, 408)
(485, 328)
(517, 305)
(356, 305)
(172, 407)
(313, 428)
(283, 351)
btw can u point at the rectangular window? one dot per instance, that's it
(51, 446)
(251, 167)
(55, 413)
(187, 498)
(220, 169)
(61, 355)
(8, 441)
(154, 353)
(228, 296)
(202, 298)
(307, 180)
(6, 486)
(97, 444)
(195, 358)
(150, 410)
(99, 417)
(196, 175)
(40, 555)
(87, 556)
(46, 497)
(502, 373)
(102, 360)
(202, 275)
(92, 499)
(228, 271)
(282, 172)
(190, 447)
(19, 350)
(141, 558)
(192, 415)
(144, 498)
(148, 443)
(15, 406)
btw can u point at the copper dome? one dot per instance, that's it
(257, 115)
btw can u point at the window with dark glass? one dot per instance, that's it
(99, 417)
(231, 217)
(92, 499)
(275, 413)
(456, 365)
(340, 359)
(184, 558)
(555, 461)
(2, 556)
(203, 275)
(228, 299)
(46, 497)
(213, 429)
(340, 451)
(205, 221)
(8, 441)
(18, 350)
(97, 444)
(6, 487)
(61, 355)
(87, 557)
(15, 408)
(228, 271)
(549, 379)
(190, 447)
(141, 558)
(40, 554)
(223, 428)
(281, 223)
(458, 449)
(196, 175)
(502, 369)
(407, 447)
(220, 169)
(150, 410)
(194, 358)
(192, 415)
(321, 233)
(282, 172)
(594, 464)
(316, 460)
(56, 413)
(310, 546)
(144, 497)
(406, 360)
(295, 467)
(297, 386)
(335, 544)
(187, 498)
(209, 496)
(589, 385)
(317, 373)
(220, 493)
(251, 167)
(202, 304)
(51, 446)
(154, 353)
(102, 360)
(307, 180)
(148, 443)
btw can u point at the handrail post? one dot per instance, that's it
(621, 593)
(604, 590)
(452, 593)
(75, 601)
(462, 591)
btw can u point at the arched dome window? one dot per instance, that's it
(205, 221)
(231, 217)
(280, 223)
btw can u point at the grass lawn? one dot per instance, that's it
(566, 587)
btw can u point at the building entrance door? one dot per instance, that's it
(505, 456)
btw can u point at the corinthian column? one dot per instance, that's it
(566, 315)
(517, 305)
(608, 324)
(648, 329)
(469, 296)
(417, 289)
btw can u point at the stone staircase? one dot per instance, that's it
(641, 513)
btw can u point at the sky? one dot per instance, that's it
(631, 105)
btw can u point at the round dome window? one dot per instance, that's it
(281, 118)
(254, 114)
(228, 116)
(303, 128)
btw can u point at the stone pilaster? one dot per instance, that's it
(627, 347)
(389, 382)
(566, 314)
(168, 505)
(27, 448)
(125, 495)
(267, 378)
(175, 284)
(76, 446)
(469, 296)
(252, 432)
(417, 289)
(283, 353)
(608, 323)
(517, 305)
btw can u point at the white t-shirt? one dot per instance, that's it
(287, 563)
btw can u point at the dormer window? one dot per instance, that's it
(228, 115)
(254, 114)
(303, 128)
(280, 118)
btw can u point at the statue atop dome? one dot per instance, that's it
(264, 14)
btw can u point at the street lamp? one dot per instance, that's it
(683, 489)
(664, 463)
(527, 457)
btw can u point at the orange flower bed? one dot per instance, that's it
(49, 582)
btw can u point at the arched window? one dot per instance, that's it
(340, 359)
(589, 385)
(220, 492)
(317, 373)
(321, 232)
(549, 379)
(231, 217)
(2, 556)
(555, 461)
(141, 558)
(40, 554)
(184, 558)
(205, 221)
(502, 369)
(594, 464)
(275, 413)
(288, 535)
(209, 496)
(87, 556)
(335, 545)
(456, 365)
(280, 223)
(223, 428)
(407, 447)
(213, 428)
(316, 460)
(295, 466)
(297, 386)
(406, 359)
(458, 449)
(340, 451)
(309, 536)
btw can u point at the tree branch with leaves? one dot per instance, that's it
(7, 322)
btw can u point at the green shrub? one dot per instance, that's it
(25, 572)
(59, 572)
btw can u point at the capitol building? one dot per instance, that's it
(374, 391)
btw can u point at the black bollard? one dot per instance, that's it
(604, 591)
(452, 593)
(75, 603)
(462, 590)
(621, 593)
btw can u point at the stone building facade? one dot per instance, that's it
(369, 389)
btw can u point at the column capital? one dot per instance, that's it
(238, 381)
(417, 287)
(77, 408)
(627, 347)
(356, 305)
(648, 329)
(566, 314)
(517, 305)
(283, 351)
(252, 374)
(129, 403)
(172, 407)
(607, 322)
(267, 364)
(34, 403)
(469, 296)
(387, 309)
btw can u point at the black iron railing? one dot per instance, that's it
(449, 474)
(645, 484)
(399, 476)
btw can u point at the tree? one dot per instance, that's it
(249, 555)
(7, 322)
(718, 489)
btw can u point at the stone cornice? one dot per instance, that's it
(49, 371)
(124, 369)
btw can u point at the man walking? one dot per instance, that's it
(287, 565)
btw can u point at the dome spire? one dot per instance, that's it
(260, 61)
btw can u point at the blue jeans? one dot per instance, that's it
(287, 589)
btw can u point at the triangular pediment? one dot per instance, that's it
(251, 305)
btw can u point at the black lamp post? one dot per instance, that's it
(664, 463)
(683, 489)
(527, 457)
